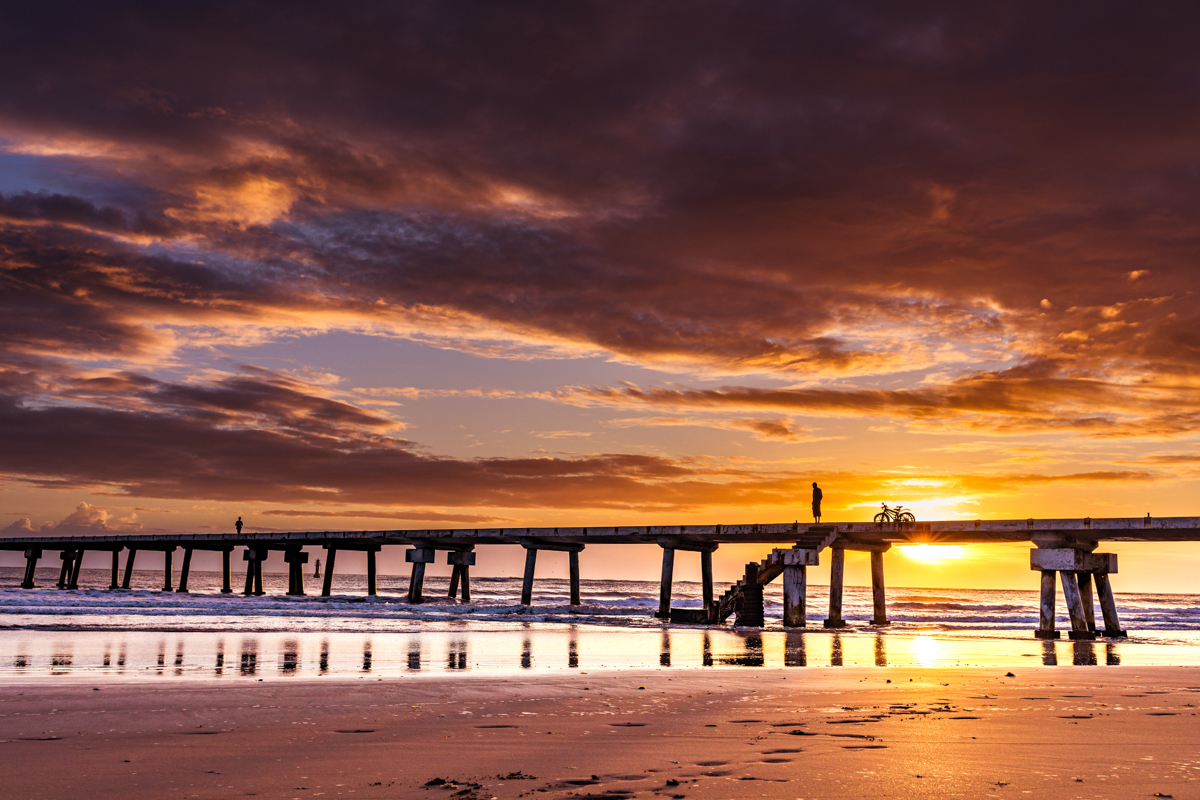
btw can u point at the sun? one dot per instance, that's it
(934, 553)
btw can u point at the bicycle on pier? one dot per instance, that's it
(897, 514)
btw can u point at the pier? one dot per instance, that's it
(1063, 552)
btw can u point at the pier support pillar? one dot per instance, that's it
(1108, 606)
(664, 589)
(64, 574)
(31, 558)
(795, 588)
(706, 583)
(1076, 567)
(527, 581)
(878, 594)
(296, 559)
(373, 574)
(1085, 597)
(330, 557)
(837, 571)
(1070, 585)
(185, 570)
(76, 563)
(226, 588)
(454, 578)
(168, 572)
(574, 570)
(462, 561)
(254, 579)
(128, 567)
(750, 608)
(1045, 628)
(418, 557)
(115, 582)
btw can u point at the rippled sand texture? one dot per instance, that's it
(1065, 732)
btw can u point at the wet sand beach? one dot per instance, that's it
(1061, 732)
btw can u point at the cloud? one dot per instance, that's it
(85, 518)
(957, 219)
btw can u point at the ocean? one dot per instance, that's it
(92, 632)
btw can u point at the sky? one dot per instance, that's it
(436, 265)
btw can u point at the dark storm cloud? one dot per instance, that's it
(813, 190)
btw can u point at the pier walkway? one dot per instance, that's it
(1063, 549)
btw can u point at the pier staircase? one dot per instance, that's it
(745, 598)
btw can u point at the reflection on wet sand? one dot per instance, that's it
(794, 653)
(291, 657)
(456, 657)
(249, 657)
(751, 655)
(331, 653)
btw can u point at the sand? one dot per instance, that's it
(1060, 732)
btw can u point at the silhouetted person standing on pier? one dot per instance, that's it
(238, 524)
(817, 495)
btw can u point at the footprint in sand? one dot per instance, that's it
(783, 750)
(711, 763)
(777, 761)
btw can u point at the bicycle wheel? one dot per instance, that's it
(881, 518)
(906, 516)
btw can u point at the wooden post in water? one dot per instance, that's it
(877, 591)
(64, 574)
(260, 557)
(1045, 628)
(1108, 606)
(168, 573)
(795, 586)
(462, 560)
(185, 570)
(296, 559)
(115, 583)
(573, 558)
(330, 557)
(226, 588)
(372, 575)
(837, 569)
(1070, 585)
(664, 589)
(76, 565)
(418, 557)
(128, 567)
(1085, 597)
(706, 582)
(527, 581)
(31, 558)
(454, 576)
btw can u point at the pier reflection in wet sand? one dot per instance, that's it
(140, 654)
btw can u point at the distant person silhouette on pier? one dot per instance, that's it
(817, 495)
(238, 524)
